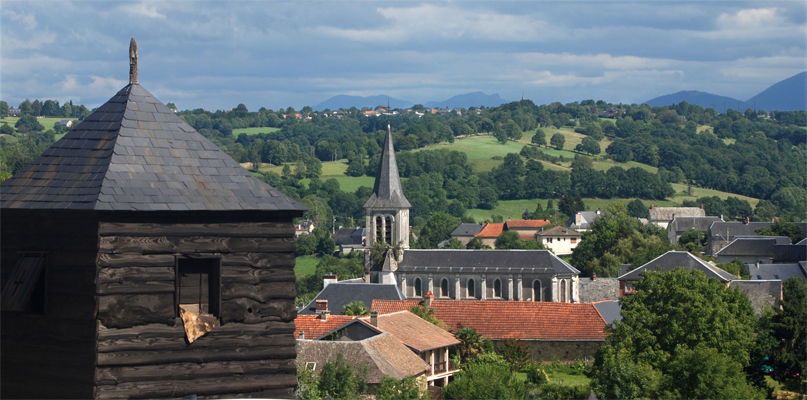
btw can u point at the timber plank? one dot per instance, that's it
(259, 260)
(246, 310)
(159, 330)
(136, 260)
(201, 387)
(242, 229)
(261, 293)
(283, 350)
(127, 310)
(192, 244)
(112, 276)
(211, 341)
(184, 371)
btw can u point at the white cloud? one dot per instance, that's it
(428, 22)
(25, 20)
(105, 85)
(143, 9)
(755, 23)
(69, 83)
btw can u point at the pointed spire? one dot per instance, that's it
(132, 61)
(387, 192)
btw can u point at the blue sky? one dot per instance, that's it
(276, 54)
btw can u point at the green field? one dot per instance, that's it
(47, 122)
(565, 379)
(254, 131)
(305, 265)
(330, 170)
(681, 194)
(512, 209)
(480, 150)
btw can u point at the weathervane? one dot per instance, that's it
(132, 61)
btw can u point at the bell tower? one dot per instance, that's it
(387, 209)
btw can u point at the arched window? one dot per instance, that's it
(471, 289)
(497, 288)
(444, 288)
(418, 288)
(536, 290)
(388, 230)
(563, 290)
(571, 292)
(379, 229)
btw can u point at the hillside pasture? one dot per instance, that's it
(512, 209)
(254, 131)
(47, 122)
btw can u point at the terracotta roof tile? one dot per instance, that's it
(526, 223)
(415, 332)
(491, 230)
(513, 319)
(314, 326)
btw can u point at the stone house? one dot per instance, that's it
(560, 239)
(662, 216)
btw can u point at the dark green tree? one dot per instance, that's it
(437, 228)
(782, 228)
(570, 204)
(486, 378)
(588, 145)
(790, 334)
(557, 141)
(339, 380)
(511, 240)
(637, 209)
(399, 389)
(356, 308)
(539, 138)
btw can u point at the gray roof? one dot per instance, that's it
(340, 294)
(762, 294)
(345, 236)
(778, 271)
(683, 224)
(466, 230)
(790, 252)
(752, 246)
(387, 191)
(731, 229)
(587, 218)
(611, 311)
(135, 154)
(675, 259)
(484, 261)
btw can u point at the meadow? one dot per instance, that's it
(254, 131)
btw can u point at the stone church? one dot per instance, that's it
(525, 275)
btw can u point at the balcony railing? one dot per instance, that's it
(440, 368)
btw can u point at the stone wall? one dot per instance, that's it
(598, 289)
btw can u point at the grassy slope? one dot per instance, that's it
(330, 169)
(305, 265)
(46, 122)
(254, 131)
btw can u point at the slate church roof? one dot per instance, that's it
(484, 261)
(677, 259)
(339, 294)
(135, 154)
(387, 191)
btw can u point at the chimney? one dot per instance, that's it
(322, 309)
(328, 279)
(374, 318)
(427, 299)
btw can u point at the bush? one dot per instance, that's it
(403, 389)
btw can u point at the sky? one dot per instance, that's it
(274, 54)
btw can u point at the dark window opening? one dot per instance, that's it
(497, 288)
(199, 284)
(379, 229)
(418, 288)
(24, 287)
(536, 290)
(471, 291)
(444, 288)
(388, 230)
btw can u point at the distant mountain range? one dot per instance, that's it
(787, 95)
(467, 100)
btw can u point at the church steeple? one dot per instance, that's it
(387, 209)
(387, 192)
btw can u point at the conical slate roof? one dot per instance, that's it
(135, 154)
(387, 192)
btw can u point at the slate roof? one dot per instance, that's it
(586, 219)
(789, 252)
(701, 224)
(415, 332)
(526, 223)
(484, 260)
(345, 236)
(499, 320)
(466, 230)
(668, 213)
(778, 271)
(610, 310)
(752, 246)
(491, 230)
(135, 154)
(387, 191)
(675, 259)
(383, 354)
(560, 231)
(731, 229)
(340, 294)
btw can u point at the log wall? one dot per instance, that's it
(141, 346)
(51, 354)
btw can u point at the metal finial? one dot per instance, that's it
(132, 61)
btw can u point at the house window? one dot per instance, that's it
(549, 240)
(24, 288)
(562, 290)
(199, 284)
(418, 288)
(536, 290)
(471, 289)
(444, 288)
(497, 288)
(573, 240)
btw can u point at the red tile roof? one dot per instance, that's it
(526, 223)
(315, 327)
(491, 230)
(513, 319)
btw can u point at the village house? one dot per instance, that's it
(667, 262)
(662, 216)
(560, 240)
(723, 233)
(762, 249)
(680, 225)
(139, 260)
(582, 220)
(349, 239)
(549, 331)
(466, 232)
(335, 295)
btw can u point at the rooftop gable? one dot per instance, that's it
(668, 213)
(415, 332)
(526, 223)
(677, 259)
(339, 294)
(387, 191)
(491, 230)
